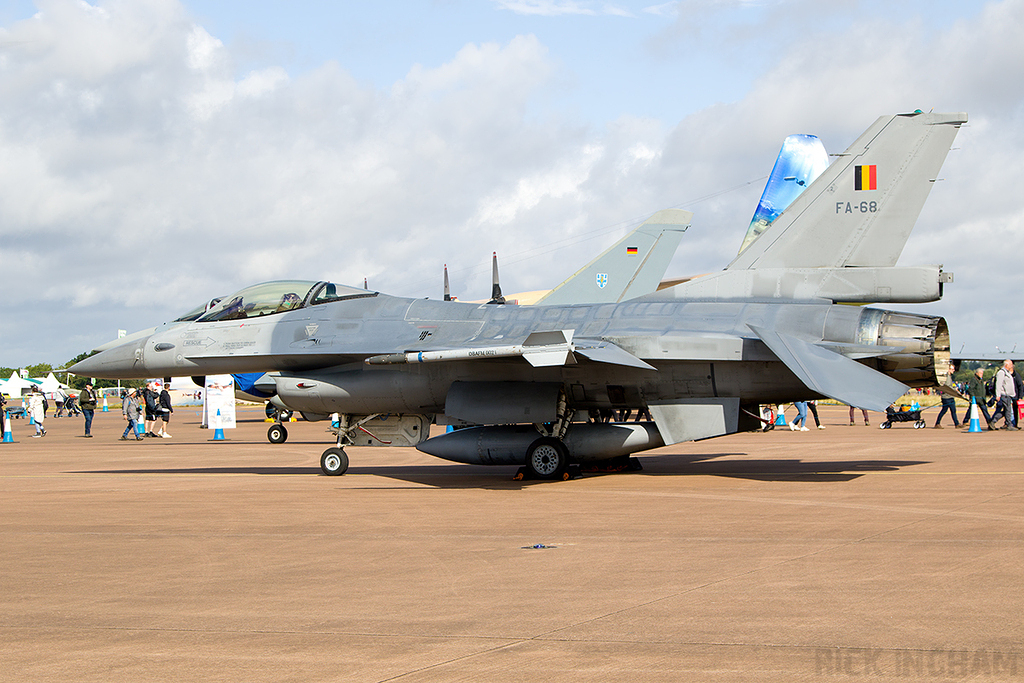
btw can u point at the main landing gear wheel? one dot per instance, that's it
(277, 434)
(334, 462)
(547, 458)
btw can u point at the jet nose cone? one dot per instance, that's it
(120, 362)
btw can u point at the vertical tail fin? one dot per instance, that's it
(801, 160)
(631, 267)
(860, 211)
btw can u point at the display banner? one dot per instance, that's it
(219, 396)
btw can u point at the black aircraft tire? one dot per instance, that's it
(547, 458)
(277, 434)
(334, 462)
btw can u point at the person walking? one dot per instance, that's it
(976, 390)
(164, 401)
(87, 401)
(152, 403)
(1006, 393)
(131, 410)
(1019, 385)
(948, 390)
(35, 409)
(801, 417)
(865, 413)
(813, 407)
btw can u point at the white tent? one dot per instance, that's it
(15, 386)
(49, 385)
(52, 389)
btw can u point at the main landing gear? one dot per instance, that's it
(334, 461)
(548, 457)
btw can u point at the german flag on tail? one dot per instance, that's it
(865, 177)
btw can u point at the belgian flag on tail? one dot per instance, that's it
(865, 177)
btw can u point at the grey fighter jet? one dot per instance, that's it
(699, 356)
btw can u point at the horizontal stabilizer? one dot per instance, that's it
(631, 267)
(856, 351)
(831, 374)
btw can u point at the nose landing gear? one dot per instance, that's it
(277, 433)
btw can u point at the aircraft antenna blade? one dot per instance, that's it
(496, 297)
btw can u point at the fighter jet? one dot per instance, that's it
(699, 356)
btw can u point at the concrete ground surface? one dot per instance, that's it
(847, 553)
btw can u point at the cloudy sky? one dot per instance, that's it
(155, 153)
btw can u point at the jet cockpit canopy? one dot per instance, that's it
(278, 296)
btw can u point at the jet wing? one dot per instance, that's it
(832, 374)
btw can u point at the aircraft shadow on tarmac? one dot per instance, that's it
(770, 470)
(477, 476)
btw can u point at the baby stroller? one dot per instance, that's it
(893, 415)
(71, 405)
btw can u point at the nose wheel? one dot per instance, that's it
(277, 434)
(334, 462)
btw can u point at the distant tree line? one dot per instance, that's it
(968, 367)
(75, 382)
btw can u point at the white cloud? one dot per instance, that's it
(665, 9)
(558, 8)
(142, 173)
(203, 49)
(261, 82)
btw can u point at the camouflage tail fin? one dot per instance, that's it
(631, 267)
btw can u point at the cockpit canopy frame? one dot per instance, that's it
(279, 296)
